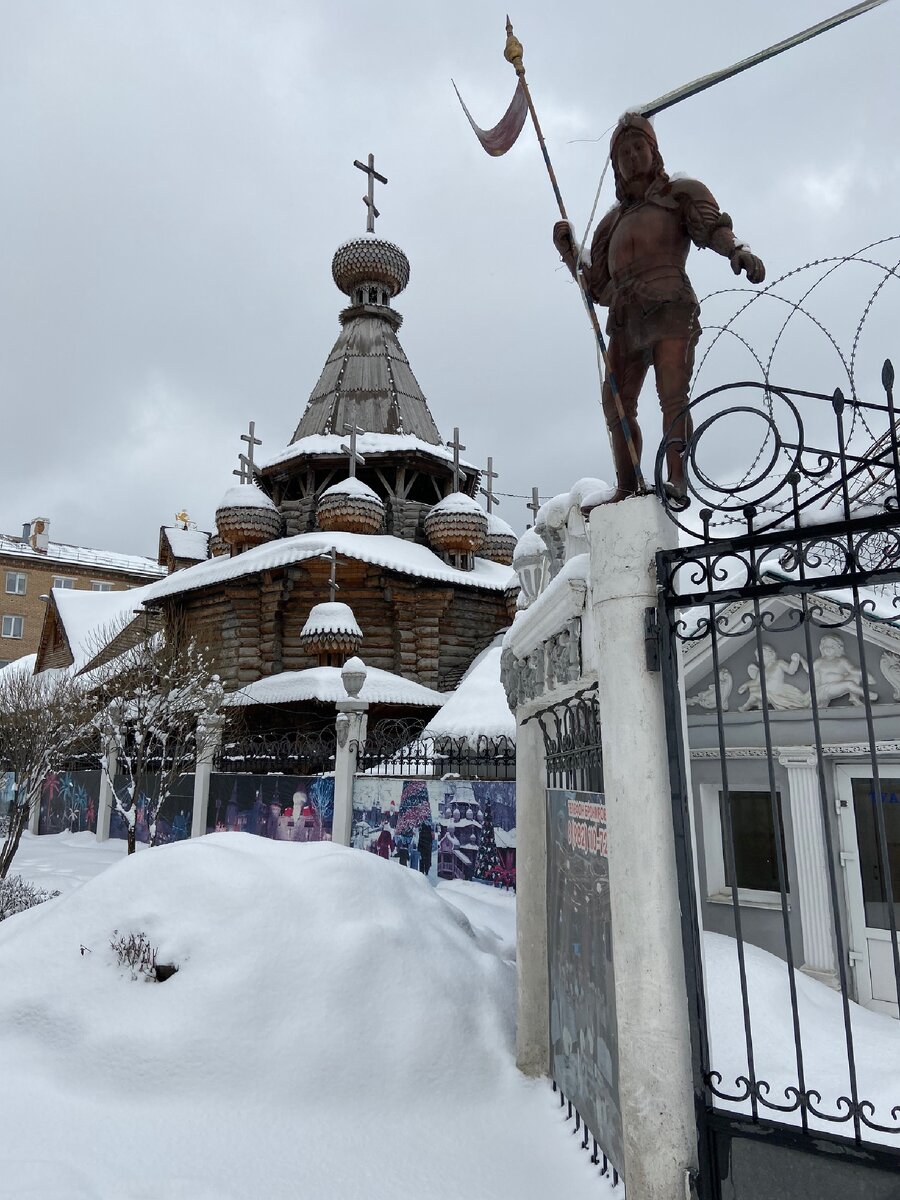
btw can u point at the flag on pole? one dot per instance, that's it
(503, 136)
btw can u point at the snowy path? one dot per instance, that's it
(335, 1029)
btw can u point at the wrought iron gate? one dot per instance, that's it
(789, 583)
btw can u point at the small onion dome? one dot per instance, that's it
(218, 546)
(500, 541)
(247, 517)
(331, 629)
(366, 260)
(457, 524)
(530, 560)
(350, 506)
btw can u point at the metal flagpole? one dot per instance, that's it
(513, 54)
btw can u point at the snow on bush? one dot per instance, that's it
(16, 896)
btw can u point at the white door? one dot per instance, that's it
(864, 857)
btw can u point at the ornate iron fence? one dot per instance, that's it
(571, 730)
(277, 751)
(789, 578)
(401, 747)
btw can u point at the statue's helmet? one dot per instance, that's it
(632, 121)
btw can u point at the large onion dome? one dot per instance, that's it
(331, 632)
(456, 525)
(369, 261)
(246, 517)
(350, 506)
(500, 541)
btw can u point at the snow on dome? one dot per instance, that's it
(496, 525)
(458, 502)
(478, 707)
(245, 495)
(353, 487)
(331, 617)
(529, 545)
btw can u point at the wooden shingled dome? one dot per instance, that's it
(331, 633)
(247, 517)
(350, 506)
(456, 525)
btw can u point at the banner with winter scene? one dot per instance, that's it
(173, 821)
(69, 801)
(7, 786)
(584, 1056)
(447, 828)
(286, 808)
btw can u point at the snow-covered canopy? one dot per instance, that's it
(331, 617)
(351, 486)
(191, 544)
(246, 495)
(383, 550)
(367, 443)
(325, 684)
(479, 705)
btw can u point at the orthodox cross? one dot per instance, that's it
(351, 451)
(490, 475)
(535, 503)
(369, 198)
(456, 445)
(332, 576)
(248, 468)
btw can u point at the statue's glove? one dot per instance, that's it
(743, 260)
(564, 241)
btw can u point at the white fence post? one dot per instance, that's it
(655, 1082)
(351, 732)
(202, 771)
(105, 799)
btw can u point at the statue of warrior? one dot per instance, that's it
(636, 268)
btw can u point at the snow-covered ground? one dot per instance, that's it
(337, 1028)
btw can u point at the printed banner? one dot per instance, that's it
(69, 802)
(446, 828)
(584, 1056)
(286, 808)
(173, 822)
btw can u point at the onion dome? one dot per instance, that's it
(456, 525)
(247, 517)
(366, 262)
(218, 546)
(500, 541)
(530, 561)
(350, 506)
(331, 632)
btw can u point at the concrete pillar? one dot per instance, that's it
(351, 732)
(34, 816)
(533, 1001)
(816, 917)
(208, 743)
(106, 799)
(655, 1082)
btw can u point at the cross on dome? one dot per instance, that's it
(456, 445)
(246, 466)
(369, 199)
(488, 492)
(352, 453)
(535, 503)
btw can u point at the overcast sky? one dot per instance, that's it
(178, 173)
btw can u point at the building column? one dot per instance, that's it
(533, 999)
(105, 801)
(206, 753)
(816, 915)
(351, 733)
(655, 1077)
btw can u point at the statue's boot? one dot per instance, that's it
(676, 448)
(626, 479)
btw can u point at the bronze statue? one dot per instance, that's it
(636, 268)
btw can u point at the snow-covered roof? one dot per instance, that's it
(325, 684)
(352, 486)
(245, 495)
(479, 705)
(106, 560)
(366, 443)
(191, 544)
(24, 665)
(90, 619)
(331, 617)
(383, 550)
(496, 525)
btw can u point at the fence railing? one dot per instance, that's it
(400, 748)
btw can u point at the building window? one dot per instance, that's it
(16, 583)
(97, 585)
(13, 627)
(753, 830)
(63, 581)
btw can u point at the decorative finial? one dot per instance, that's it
(183, 519)
(513, 52)
(247, 468)
(369, 198)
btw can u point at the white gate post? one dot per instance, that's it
(533, 1000)
(105, 799)
(351, 731)
(655, 1082)
(206, 753)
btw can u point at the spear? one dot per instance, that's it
(514, 54)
